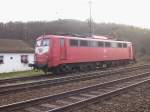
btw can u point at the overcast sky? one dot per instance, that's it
(130, 12)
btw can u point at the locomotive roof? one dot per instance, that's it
(14, 46)
(81, 38)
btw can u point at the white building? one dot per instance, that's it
(15, 55)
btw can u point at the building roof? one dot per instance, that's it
(14, 46)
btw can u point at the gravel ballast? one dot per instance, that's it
(133, 100)
(49, 90)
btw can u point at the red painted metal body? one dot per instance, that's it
(60, 52)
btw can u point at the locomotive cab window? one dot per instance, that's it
(73, 42)
(24, 59)
(83, 43)
(38, 42)
(45, 42)
(1, 59)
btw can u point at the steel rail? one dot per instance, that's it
(14, 80)
(7, 89)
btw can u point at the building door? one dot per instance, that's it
(62, 49)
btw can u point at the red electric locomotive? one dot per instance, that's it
(62, 54)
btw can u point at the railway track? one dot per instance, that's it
(66, 101)
(23, 79)
(39, 77)
(14, 87)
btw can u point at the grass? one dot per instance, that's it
(20, 74)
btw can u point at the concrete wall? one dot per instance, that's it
(12, 62)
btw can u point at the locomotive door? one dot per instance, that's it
(130, 51)
(62, 49)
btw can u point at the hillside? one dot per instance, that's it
(31, 30)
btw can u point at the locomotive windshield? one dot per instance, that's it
(43, 42)
(38, 42)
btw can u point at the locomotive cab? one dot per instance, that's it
(42, 49)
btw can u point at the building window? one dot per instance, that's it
(24, 59)
(1, 59)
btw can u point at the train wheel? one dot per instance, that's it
(68, 68)
(93, 67)
(65, 69)
(82, 68)
(62, 69)
(56, 71)
(88, 67)
(107, 64)
(73, 69)
(45, 70)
